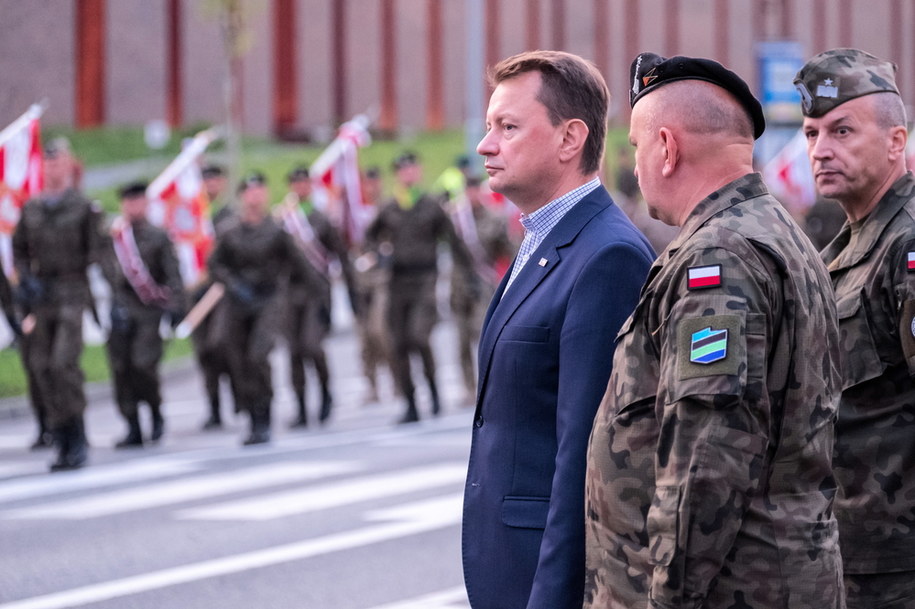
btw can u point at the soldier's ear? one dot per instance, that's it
(671, 152)
(898, 138)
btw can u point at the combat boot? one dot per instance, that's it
(73, 449)
(436, 403)
(327, 405)
(301, 419)
(45, 439)
(215, 420)
(260, 428)
(134, 437)
(411, 415)
(158, 423)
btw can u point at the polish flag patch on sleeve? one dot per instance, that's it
(911, 261)
(699, 277)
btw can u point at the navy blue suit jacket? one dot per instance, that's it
(545, 356)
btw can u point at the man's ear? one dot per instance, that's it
(671, 152)
(574, 137)
(898, 138)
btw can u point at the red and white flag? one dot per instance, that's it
(789, 177)
(178, 202)
(336, 179)
(20, 175)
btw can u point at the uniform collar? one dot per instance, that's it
(738, 191)
(844, 252)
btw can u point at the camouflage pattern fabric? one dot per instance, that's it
(872, 266)
(709, 477)
(837, 76)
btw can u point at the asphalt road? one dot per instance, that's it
(360, 514)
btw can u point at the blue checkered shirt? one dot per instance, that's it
(538, 224)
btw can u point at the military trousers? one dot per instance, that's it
(247, 336)
(307, 325)
(134, 352)
(55, 345)
(412, 314)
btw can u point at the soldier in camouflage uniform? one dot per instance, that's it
(308, 310)
(856, 138)
(413, 224)
(142, 269)
(486, 235)
(58, 236)
(251, 259)
(709, 469)
(210, 357)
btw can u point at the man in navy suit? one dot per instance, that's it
(547, 342)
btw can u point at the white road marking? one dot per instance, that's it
(103, 591)
(451, 598)
(94, 477)
(333, 494)
(177, 491)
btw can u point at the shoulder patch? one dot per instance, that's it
(910, 262)
(700, 277)
(710, 345)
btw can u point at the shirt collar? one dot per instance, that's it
(542, 221)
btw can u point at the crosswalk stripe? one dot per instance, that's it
(334, 494)
(155, 580)
(177, 491)
(94, 477)
(451, 598)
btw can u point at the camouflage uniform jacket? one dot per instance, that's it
(872, 265)
(56, 243)
(158, 255)
(254, 260)
(414, 235)
(709, 469)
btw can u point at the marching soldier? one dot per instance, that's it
(210, 357)
(309, 310)
(58, 236)
(251, 259)
(485, 234)
(412, 224)
(145, 280)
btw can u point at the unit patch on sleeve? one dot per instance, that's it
(710, 345)
(911, 262)
(699, 277)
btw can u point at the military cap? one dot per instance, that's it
(132, 190)
(254, 178)
(404, 160)
(373, 173)
(212, 171)
(298, 173)
(650, 71)
(837, 76)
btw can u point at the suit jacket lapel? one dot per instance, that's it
(505, 303)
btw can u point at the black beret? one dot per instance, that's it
(297, 173)
(404, 160)
(132, 190)
(373, 173)
(650, 71)
(212, 171)
(254, 178)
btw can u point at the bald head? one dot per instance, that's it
(700, 108)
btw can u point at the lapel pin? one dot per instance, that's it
(542, 262)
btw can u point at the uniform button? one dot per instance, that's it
(478, 422)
